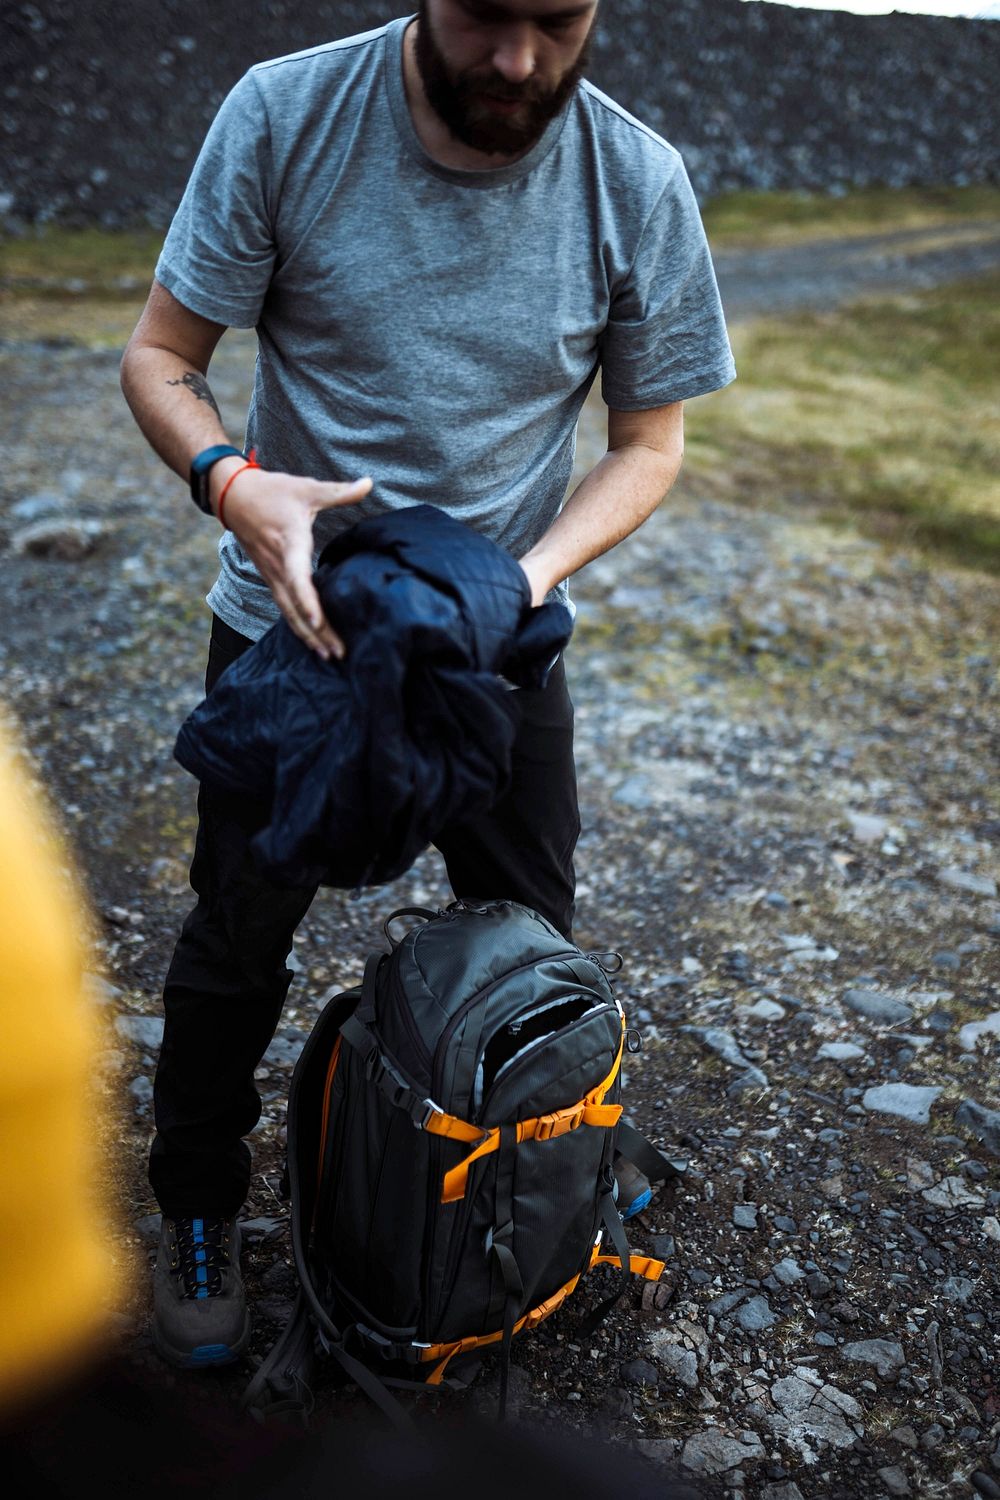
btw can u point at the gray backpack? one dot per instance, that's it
(452, 1125)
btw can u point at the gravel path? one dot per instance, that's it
(786, 744)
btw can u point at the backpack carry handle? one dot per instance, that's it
(424, 912)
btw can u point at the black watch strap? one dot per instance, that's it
(201, 466)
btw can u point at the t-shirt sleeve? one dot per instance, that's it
(665, 338)
(219, 253)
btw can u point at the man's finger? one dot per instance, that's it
(330, 494)
(306, 603)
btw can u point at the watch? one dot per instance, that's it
(201, 466)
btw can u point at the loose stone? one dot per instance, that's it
(907, 1101)
(884, 1010)
(886, 1355)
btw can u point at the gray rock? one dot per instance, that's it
(766, 1010)
(36, 507)
(908, 1101)
(64, 539)
(984, 1485)
(284, 1051)
(681, 1363)
(811, 1414)
(886, 1355)
(755, 1315)
(787, 1491)
(146, 1031)
(721, 1306)
(788, 1271)
(261, 1227)
(905, 1436)
(825, 1340)
(933, 1437)
(149, 1228)
(785, 1224)
(840, 1051)
(141, 1089)
(961, 880)
(957, 1288)
(640, 1372)
(712, 1452)
(745, 1215)
(884, 1010)
(970, 1033)
(953, 1192)
(984, 1124)
(895, 1480)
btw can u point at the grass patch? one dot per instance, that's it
(99, 260)
(747, 218)
(882, 415)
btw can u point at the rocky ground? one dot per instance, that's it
(786, 742)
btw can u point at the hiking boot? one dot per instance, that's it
(634, 1189)
(200, 1316)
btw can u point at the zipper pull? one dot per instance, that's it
(514, 1028)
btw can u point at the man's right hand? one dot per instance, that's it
(272, 517)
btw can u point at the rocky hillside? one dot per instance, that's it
(106, 103)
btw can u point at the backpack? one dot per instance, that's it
(452, 1125)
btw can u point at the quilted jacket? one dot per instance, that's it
(349, 769)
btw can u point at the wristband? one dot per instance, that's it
(201, 466)
(251, 463)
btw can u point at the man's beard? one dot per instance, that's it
(460, 101)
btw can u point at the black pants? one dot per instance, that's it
(228, 977)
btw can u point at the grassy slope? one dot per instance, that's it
(884, 415)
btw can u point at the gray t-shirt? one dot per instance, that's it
(434, 328)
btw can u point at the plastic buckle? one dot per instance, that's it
(431, 1109)
(550, 1127)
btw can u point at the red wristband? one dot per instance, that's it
(251, 463)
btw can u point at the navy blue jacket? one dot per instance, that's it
(355, 766)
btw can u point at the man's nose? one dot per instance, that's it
(514, 56)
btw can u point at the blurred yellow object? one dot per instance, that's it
(54, 1269)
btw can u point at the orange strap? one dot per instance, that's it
(640, 1265)
(251, 463)
(591, 1110)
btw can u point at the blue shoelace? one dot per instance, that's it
(203, 1255)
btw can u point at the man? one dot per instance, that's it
(439, 231)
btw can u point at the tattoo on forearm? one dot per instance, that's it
(199, 388)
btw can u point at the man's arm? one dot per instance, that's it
(164, 378)
(645, 450)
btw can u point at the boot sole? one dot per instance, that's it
(203, 1356)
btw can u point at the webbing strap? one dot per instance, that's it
(426, 1115)
(611, 1220)
(639, 1265)
(643, 1154)
(591, 1110)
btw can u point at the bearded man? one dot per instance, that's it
(440, 231)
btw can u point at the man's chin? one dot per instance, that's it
(486, 132)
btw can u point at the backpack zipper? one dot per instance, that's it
(480, 995)
(527, 1052)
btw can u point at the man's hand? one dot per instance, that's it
(272, 515)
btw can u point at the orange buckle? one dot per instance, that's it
(560, 1122)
